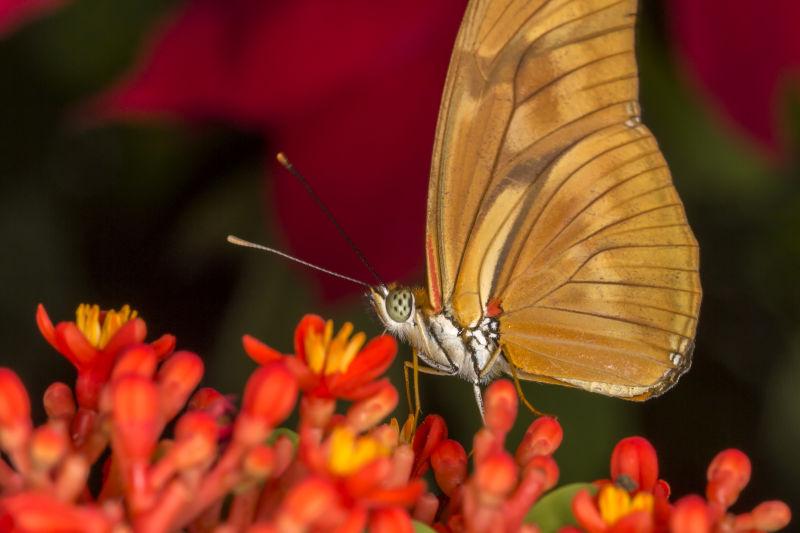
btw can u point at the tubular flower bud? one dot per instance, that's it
(728, 474)
(15, 410)
(59, 402)
(636, 460)
(136, 416)
(543, 437)
(501, 405)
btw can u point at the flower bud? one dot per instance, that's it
(196, 437)
(586, 512)
(771, 516)
(270, 394)
(305, 503)
(368, 412)
(691, 515)
(136, 415)
(178, 376)
(449, 462)
(501, 404)
(547, 468)
(316, 411)
(139, 360)
(495, 476)
(429, 434)
(635, 459)
(543, 437)
(728, 474)
(269, 397)
(15, 410)
(58, 402)
(48, 445)
(259, 462)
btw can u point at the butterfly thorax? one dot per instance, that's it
(442, 343)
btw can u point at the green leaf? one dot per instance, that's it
(419, 527)
(554, 510)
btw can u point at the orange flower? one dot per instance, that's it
(634, 500)
(93, 341)
(329, 366)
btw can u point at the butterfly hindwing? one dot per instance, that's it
(549, 198)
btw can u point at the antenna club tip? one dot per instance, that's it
(282, 159)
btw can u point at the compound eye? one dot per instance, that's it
(399, 305)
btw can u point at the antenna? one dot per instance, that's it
(247, 244)
(284, 161)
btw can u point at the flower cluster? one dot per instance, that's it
(134, 447)
(635, 500)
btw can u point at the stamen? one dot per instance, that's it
(99, 327)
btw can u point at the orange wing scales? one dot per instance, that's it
(549, 195)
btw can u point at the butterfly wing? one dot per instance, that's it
(551, 201)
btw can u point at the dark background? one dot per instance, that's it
(109, 210)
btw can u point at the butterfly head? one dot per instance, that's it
(395, 307)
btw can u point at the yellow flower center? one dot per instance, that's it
(349, 453)
(616, 503)
(327, 354)
(88, 320)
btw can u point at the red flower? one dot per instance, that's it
(349, 89)
(745, 55)
(331, 367)
(93, 341)
(636, 501)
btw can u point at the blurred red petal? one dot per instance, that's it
(402, 496)
(743, 53)
(366, 413)
(371, 362)
(307, 323)
(258, 351)
(586, 512)
(350, 90)
(637, 522)
(77, 348)
(32, 511)
(132, 332)
(46, 327)
(14, 13)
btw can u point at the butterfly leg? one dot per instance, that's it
(518, 386)
(416, 369)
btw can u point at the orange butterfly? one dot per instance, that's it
(557, 247)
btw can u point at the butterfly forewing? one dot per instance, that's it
(551, 199)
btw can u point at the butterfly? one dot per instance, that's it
(557, 247)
